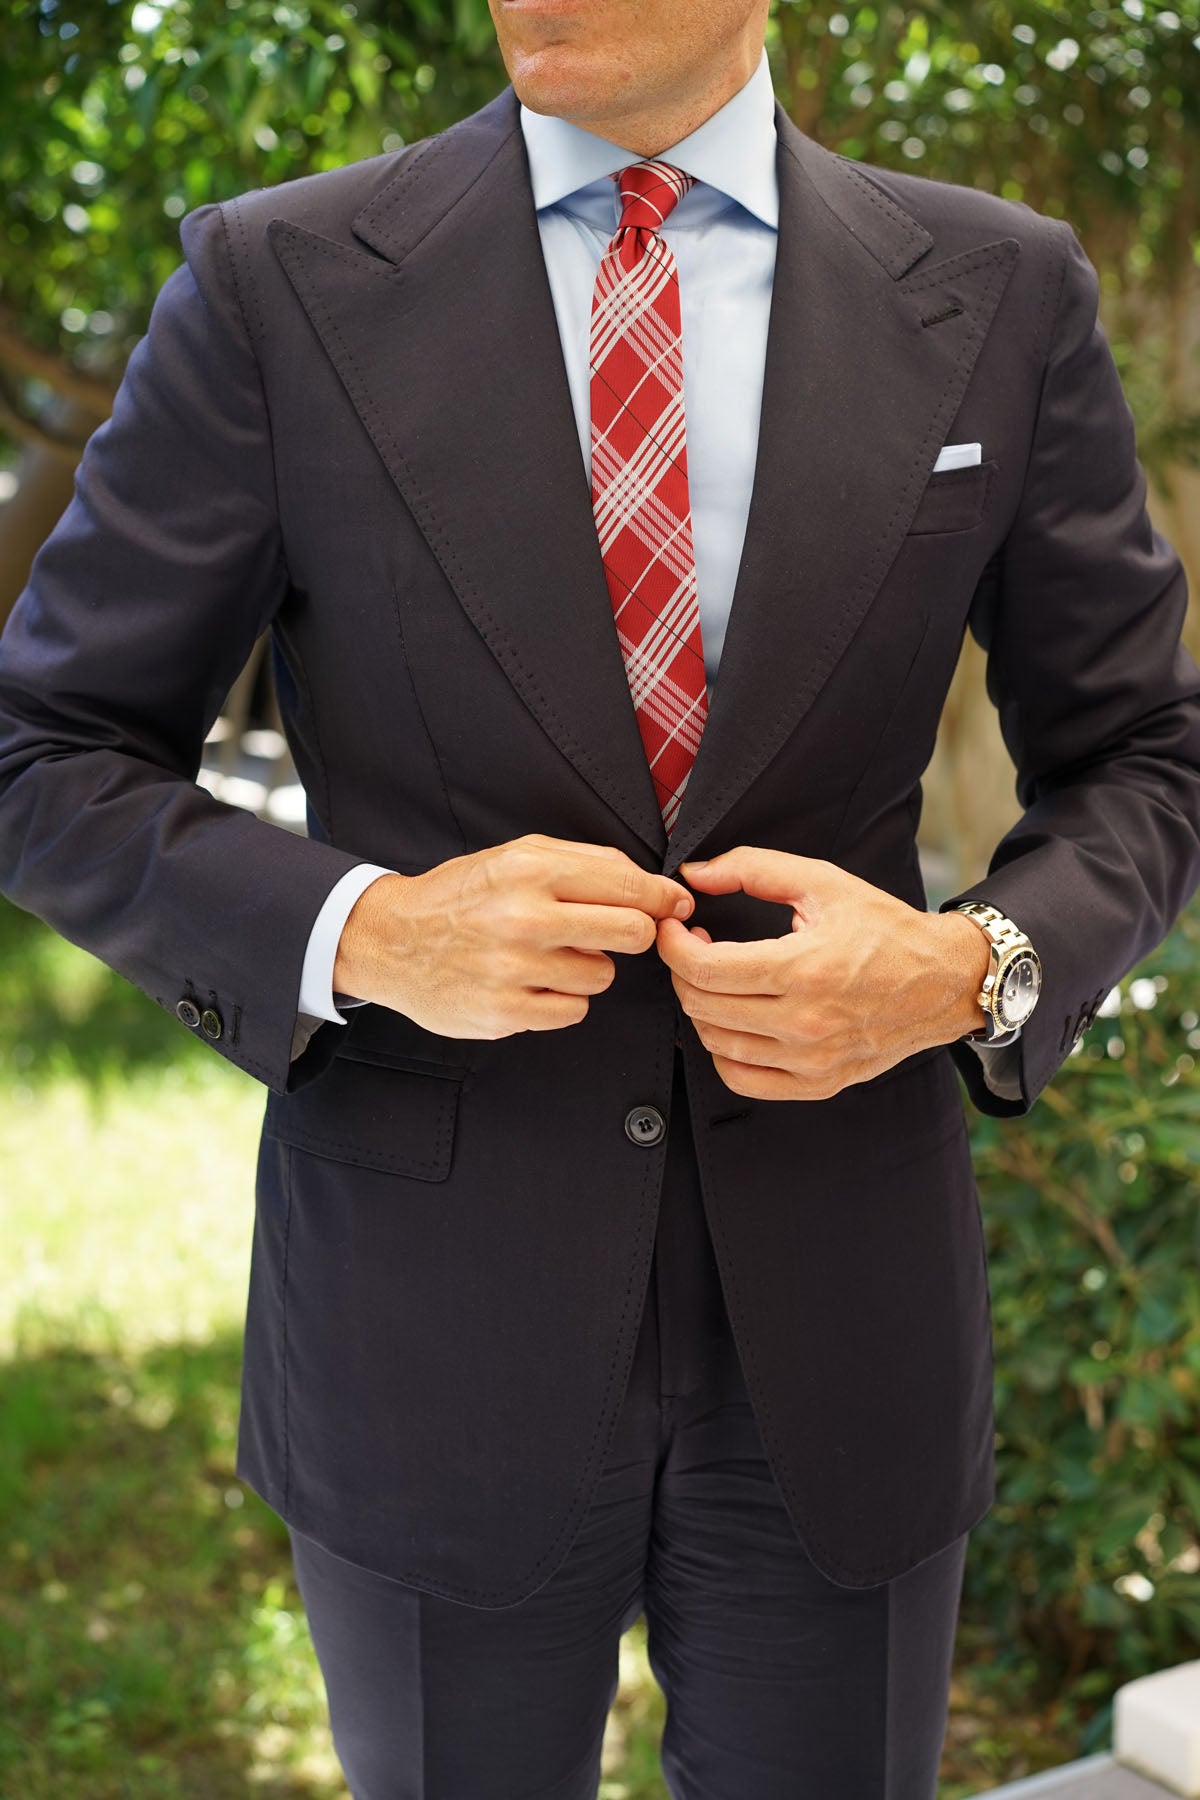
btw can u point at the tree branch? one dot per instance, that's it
(89, 391)
(1021, 1161)
(17, 425)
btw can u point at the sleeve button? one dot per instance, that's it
(212, 1024)
(189, 1012)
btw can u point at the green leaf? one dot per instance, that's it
(1178, 1137)
(1100, 1606)
(1158, 1320)
(1123, 1518)
(1188, 1484)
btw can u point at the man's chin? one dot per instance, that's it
(565, 84)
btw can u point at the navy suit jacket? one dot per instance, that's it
(349, 422)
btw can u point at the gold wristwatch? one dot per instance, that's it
(1014, 980)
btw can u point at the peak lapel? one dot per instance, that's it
(857, 398)
(447, 344)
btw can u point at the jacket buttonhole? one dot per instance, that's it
(729, 1118)
(947, 312)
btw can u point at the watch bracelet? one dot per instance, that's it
(1004, 935)
(1002, 931)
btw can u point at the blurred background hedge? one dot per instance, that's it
(1087, 1571)
(118, 1388)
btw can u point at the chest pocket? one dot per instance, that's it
(954, 499)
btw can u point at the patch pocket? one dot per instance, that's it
(373, 1115)
(954, 499)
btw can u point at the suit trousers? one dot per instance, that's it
(780, 1684)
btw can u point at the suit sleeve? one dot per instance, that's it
(141, 608)
(1098, 703)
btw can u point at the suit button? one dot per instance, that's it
(189, 1012)
(212, 1024)
(646, 1126)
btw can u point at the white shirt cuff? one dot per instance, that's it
(1001, 1068)
(317, 998)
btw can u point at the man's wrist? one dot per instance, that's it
(317, 998)
(366, 936)
(968, 960)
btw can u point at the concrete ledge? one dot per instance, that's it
(1095, 1778)
(1156, 1742)
(1156, 1727)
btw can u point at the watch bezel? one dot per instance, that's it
(1004, 963)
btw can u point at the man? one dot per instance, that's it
(618, 1250)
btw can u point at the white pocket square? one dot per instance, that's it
(957, 456)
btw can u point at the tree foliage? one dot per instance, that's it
(1085, 112)
(1087, 1571)
(121, 117)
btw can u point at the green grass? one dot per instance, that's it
(152, 1642)
(151, 1639)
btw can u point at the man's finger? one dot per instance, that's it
(735, 1012)
(611, 883)
(552, 843)
(758, 1084)
(742, 1047)
(767, 874)
(575, 972)
(755, 968)
(623, 928)
(542, 1009)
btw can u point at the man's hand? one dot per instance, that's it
(510, 939)
(862, 981)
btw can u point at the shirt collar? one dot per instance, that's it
(733, 151)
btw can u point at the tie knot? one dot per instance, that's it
(649, 191)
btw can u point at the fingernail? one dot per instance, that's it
(684, 907)
(698, 863)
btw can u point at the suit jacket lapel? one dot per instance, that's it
(866, 368)
(447, 344)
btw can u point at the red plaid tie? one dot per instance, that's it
(639, 477)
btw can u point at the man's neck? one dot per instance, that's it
(649, 132)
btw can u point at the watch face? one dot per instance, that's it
(1019, 990)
